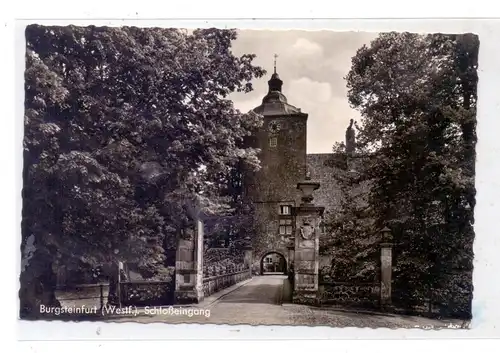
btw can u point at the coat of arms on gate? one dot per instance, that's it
(307, 229)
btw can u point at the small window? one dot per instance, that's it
(286, 230)
(285, 210)
(273, 142)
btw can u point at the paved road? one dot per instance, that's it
(259, 302)
(262, 290)
(254, 303)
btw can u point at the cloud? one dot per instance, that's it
(248, 104)
(306, 47)
(306, 91)
(327, 125)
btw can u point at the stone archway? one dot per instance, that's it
(277, 265)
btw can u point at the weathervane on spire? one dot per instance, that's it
(274, 82)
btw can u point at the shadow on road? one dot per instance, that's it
(258, 294)
(261, 290)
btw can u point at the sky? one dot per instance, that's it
(312, 66)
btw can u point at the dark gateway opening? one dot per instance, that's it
(273, 263)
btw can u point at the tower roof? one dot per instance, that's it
(275, 102)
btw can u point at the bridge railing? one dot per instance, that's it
(218, 278)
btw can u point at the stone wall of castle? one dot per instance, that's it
(323, 167)
(283, 165)
(268, 238)
(277, 186)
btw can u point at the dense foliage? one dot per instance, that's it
(128, 134)
(417, 96)
(352, 242)
(231, 229)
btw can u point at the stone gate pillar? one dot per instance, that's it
(189, 267)
(306, 257)
(386, 268)
(291, 251)
(248, 255)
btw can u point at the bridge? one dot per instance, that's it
(266, 300)
(194, 281)
(236, 292)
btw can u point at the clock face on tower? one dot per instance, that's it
(274, 127)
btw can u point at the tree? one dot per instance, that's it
(239, 219)
(351, 241)
(417, 96)
(127, 134)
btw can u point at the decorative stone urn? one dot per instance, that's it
(307, 187)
